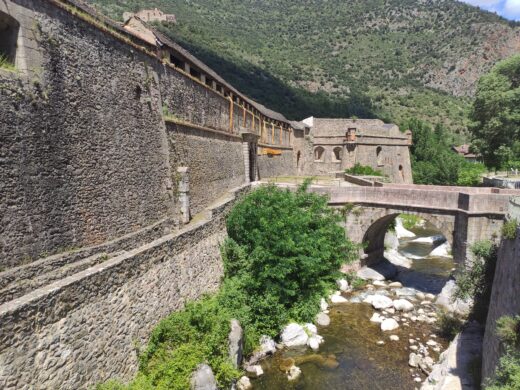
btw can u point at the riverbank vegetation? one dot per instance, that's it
(282, 255)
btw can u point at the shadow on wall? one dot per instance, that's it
(270, 91)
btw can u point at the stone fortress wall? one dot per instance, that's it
(110, 142)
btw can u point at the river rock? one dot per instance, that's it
(403, 305)
(314, 342)
(267, 345)
(338, 299)
(244, 383)
(323, 319)
(380, 302)
(456, 306)
(429, 297)
(380, 271)
(431, 343)
(377, 318)
(294, 335)
(255, 370)
(294, 373)
(442, 250)
(311, 329)
(395, 285)
(203, 378)
(323, 305)
(343, 285)
(379, 283)
(420, 296)
(394, 337)
(236, 343)
(394, 257)
(401, 231)
(414, 360)
(389, 324)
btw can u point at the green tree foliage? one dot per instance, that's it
(433, 162)
(282, 255)
(496, 115)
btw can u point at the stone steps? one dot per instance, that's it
(21, 287)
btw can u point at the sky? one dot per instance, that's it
(509, 9)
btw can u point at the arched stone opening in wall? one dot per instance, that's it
(379, 156)
(319, 153)
(338, 153)
(9, 28)
(298, 156)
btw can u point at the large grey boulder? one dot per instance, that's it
(380, 271)
(447, 300)
(236, 343)
(203, 378)
(294, 335)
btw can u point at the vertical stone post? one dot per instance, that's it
(249, 147)
(184, 194)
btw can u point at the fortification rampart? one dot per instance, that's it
(87, 156)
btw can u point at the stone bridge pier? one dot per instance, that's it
(463, 215)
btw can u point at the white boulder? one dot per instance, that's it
(323, 319)
(377, 318)
(343, 285)
(311, 329)
(314, 342)
(323, 305)
(401, 231)
(294, 373)
(338, 299)
(394, 337)
(403, 305)
(442, 250)
(389, 324)
(294, 335)
(267, 345)
(380, 301)
(244, 383)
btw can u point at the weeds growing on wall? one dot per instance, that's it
(507, 375)
(475, 281)
(6, 64)
(363, 170)
(509, 229)
(449, 325)
(282, 255)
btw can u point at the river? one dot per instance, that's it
(350, 357)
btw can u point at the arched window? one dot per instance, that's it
(8, 36)
(318, 153)
(401, 172)
(379, 155)
(298, 156)
(338, 153)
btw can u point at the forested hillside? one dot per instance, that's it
(388, 58)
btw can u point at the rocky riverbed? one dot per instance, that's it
(382, 336)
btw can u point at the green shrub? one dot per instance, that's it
(474, 282)
(449, 326)
(363, 170)
(507, 375)
(509, 229)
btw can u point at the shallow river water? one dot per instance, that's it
(350, 358)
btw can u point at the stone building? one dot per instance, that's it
(324, 146)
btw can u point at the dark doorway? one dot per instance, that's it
(8, 36)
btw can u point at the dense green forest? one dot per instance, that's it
(369, 58)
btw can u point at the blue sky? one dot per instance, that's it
(509, 9)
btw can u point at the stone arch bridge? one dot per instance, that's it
(464, 215)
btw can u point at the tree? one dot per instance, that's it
(495, 113)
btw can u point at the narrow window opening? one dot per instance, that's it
(379, 154)
(338, 153)
(318, 153)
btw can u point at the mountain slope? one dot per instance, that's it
(386, 58)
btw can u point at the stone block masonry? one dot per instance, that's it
(84, 329)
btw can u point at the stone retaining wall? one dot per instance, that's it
(276, 165)
(505, 301)
(84, 328)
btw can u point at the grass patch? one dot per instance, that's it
(449, 326)
(6, 64)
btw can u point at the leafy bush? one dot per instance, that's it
(507, 376)
(410, 221)
(282, 255)
(509, 229)
(474, 282)
(449, 326)
(363, 170)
